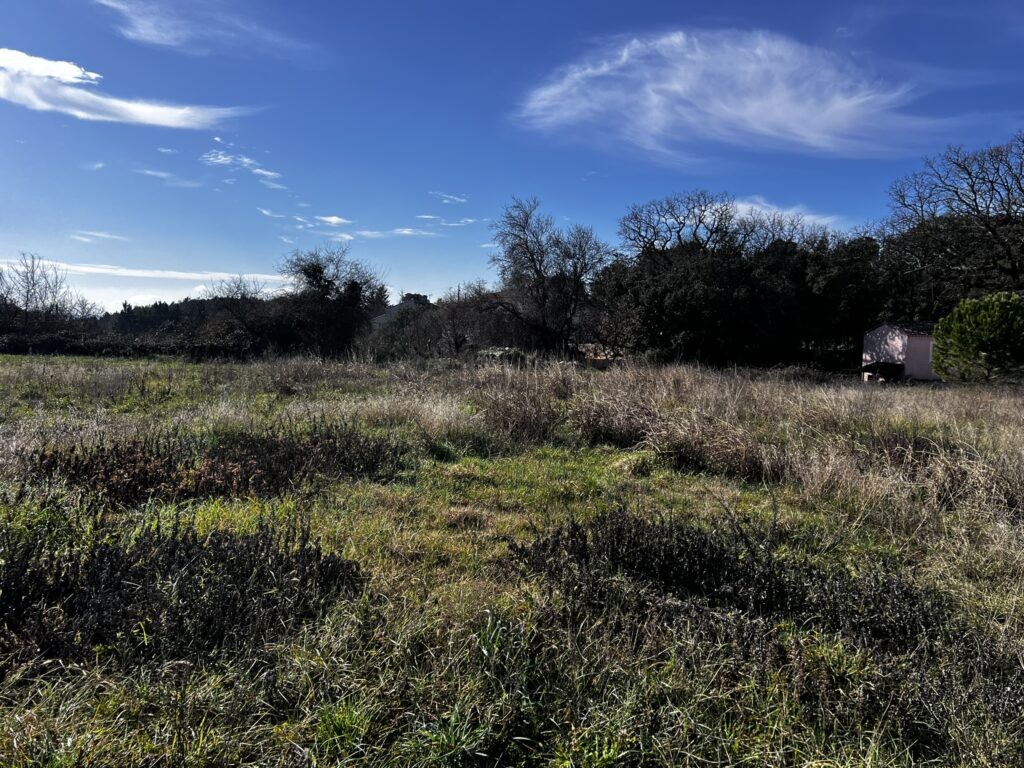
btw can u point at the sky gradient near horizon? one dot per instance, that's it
(152, 146)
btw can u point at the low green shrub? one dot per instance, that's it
(256, 460)
(166, 594)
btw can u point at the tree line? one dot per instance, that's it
(694, 276)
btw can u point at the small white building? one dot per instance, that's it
(898, 352)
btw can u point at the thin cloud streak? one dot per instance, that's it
(60, 86)
(377, 234)
(218, 158)
(450, 199)
(758, 204)
(91, 236)
(111, 270)
(170, 179)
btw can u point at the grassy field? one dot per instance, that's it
(301, 563)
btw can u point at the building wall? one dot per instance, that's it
(885, 344)
(918, 363)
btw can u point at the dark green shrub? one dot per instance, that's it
(177, 464)
(982, 339)
(167, 594)
(866, 653)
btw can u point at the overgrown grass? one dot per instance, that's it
(301, 562)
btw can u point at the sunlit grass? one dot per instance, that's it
(458, 655)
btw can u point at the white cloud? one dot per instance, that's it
(97, 166)
(271, 214)
(169, 178)
(376, 234)
(91, 236)
(459, 223)
(408, 232)
(668, 93)
(428, 217)
(449, 199)
(196, 25)
(156, 174)
(109, 285)
(758, 204)
(19, 63)
(166, 151)
(218, 157)
(332, 221)
(338, 237)
(60, 86)
(488, 245)
(286, 240)
(111, 270)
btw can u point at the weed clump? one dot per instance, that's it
(165, 594)
(177, 464)
(863, 653)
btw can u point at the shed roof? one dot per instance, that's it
(916, 328)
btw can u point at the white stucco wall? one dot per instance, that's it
(918, 363)
(885, 344)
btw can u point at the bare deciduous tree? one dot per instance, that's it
(711, 222)
(697, 217)
(35, 295)
(981, 193)
(545, 271)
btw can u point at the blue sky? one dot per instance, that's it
(149, 146)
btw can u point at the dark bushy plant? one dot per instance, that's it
(258, 460)
(982, 339)
(166, 594)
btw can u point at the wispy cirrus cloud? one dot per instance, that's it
(200, 26)
(170, 179)
(676, 93)
(112, 270)
(758, 204)
(448, 199)
(218, 158)
(91, 236)
(271, 214)
(62, 86)
(442, 221)
(332, 221)
(376, 234)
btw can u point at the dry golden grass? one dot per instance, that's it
(454, 656)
